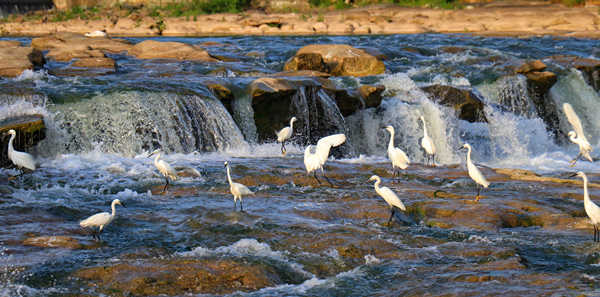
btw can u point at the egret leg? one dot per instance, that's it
(332, 185)
(575, 160)
(427, 164)
(241, 205)
(166, 186)
(283, 150)
(391, 217)
(315, 174)
(433, 159)
(234, 204)
(478, 190)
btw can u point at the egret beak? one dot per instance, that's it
(573, 175)
(462, 147)
(151, 154)
(123, 204)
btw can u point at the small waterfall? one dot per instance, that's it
(128, 122)
(322, 116)
(573, 89)
(512, 94)
(403, 112)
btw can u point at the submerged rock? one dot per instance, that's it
(339, 60)
(187, 276)
(53, 242)
(151, 49)
(465, 99)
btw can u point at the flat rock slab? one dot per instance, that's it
(151, 49)
(61, 39)
(79, 51)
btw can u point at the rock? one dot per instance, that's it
(275, 100)
(372, 95)
(339, 60)
(465, 99)
(590, 68)
(10, 43)
(60, 39)
(300, 73)
(151, 49)
(533, 66)
(31, 129)
(184, 276)
(95, 62)
(54, 242)
(223, 94)
(79, 51)
(14, 60)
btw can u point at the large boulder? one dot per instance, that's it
(316, 101)
(61, 39)
(590, 68)
(87, 67)
(78, 51)
(151, 49)
(465, 99)
(14, 60)
(336, 59)
(10, 43)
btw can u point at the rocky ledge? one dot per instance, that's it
(514, 19)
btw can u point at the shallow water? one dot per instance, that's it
(296, 237)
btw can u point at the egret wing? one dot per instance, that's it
(167, 170)
(477, 176)
(391, 197)
(96, 220)
(243, 189)
(402, 155)
(284, 134)
(586, 154)
(574, 120)
(324, 145)
(23, 159)
(311, 161)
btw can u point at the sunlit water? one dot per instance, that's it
(100, 130)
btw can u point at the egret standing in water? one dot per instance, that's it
(592, 210)
(396, 155)
(427, 144)
(577, 136)
(20, 159)
(164, 168)
(389, 196)
(474, 173)
(315, 156)
(285, 134)
(102, 219)
(237, 190)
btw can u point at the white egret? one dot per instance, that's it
(592, 210)
(389, 196)
(474, 173)
(315, 156)
(396, 155)
(427, 144)
(97, 33)
(20, 159)
(285, 134)
(577, 136)
(102, 219)
(164, 168)
(237, 190)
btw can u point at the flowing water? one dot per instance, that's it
(296, 238)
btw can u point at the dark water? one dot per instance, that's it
(314, 240)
